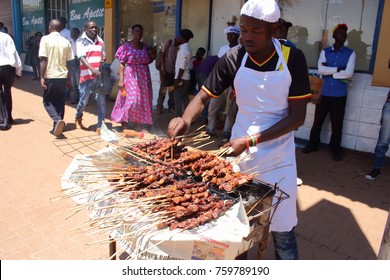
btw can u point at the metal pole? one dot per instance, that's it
(16, 26)
(179, 7)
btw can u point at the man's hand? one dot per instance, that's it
(43, 84)
(96, 73)
(120, 84)
(177, 126)
(340, 69)
(237, 146)
(178, 83)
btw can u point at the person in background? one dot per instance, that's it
(54, 53)
(272, 90)
(201, 74)
(91, 53)
(134, 100)
(74, 69)
(336, 64)
(4, 30)
(195, 61)
(167, 75)
(382, 146)
(281, 32)
(198, 58)
(10, 69)
(228, 97)
(182, 72)
(31, 59)
(65, 32)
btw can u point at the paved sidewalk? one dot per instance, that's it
(341, 215)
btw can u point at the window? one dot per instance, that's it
(313, 21)
(56, 9)
(158, 18)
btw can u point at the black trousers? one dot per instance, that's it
(335, 106)
(7, 79)
(54, 99)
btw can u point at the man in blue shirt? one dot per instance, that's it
(336, 64)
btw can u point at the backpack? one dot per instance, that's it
(159, 56)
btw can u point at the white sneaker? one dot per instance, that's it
(299, 181)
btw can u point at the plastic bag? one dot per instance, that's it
(103, 84)
(108, 135)
(115, 68)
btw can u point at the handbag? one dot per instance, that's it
(316, 84)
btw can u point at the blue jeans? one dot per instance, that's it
(285, 244)
(86, 89)
(382, 146)
(54, 99)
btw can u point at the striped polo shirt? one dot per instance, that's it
(92, 51)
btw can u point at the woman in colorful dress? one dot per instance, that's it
(134, 101)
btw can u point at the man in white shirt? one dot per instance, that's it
(65, 32)
(182, 72)
(10, 68)
(232, 35)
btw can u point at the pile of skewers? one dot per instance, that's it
(153, 185)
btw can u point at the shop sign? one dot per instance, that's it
(79, 13)
(33, 21)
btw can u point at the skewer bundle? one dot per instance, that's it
(153, 185)
(200, 164)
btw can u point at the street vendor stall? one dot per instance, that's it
(163, 200)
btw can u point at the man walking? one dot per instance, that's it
(167, 75)
(182, 72)
(54, 53)
(91, 53)
(10, 68)
(336, 64)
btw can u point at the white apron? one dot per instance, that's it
(262, 99)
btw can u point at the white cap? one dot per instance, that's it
(266, 10)
(232, 29)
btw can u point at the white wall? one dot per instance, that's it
(223, 11)
(362, 116)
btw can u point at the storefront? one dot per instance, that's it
(36, 14)
(312, 21)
